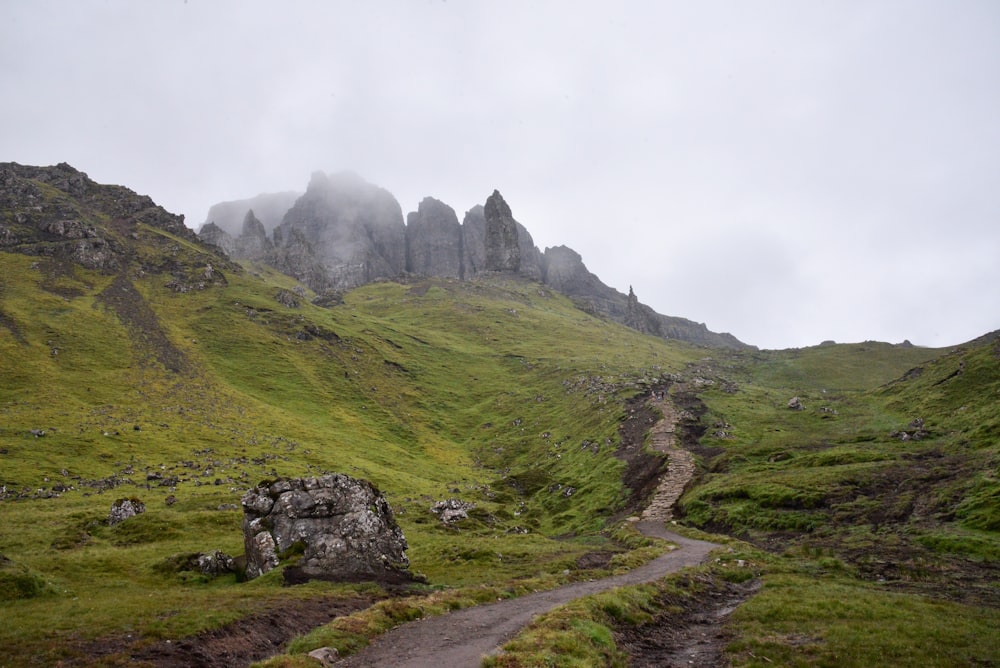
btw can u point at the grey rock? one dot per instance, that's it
(434, 240)
(452, 510)
(327, 656)
(343, 527)
(252, 244)
(286, 298)
(355, 230)
(215, 563)
(218, 237)
(795, 404)
(503, 252)
(122, 509)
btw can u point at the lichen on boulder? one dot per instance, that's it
(339, 527)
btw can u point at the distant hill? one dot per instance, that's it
(344, 232)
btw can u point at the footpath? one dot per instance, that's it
(461, 639)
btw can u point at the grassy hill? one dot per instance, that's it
(499, 392)
(136, 362)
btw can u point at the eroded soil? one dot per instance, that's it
(234, 645)
(691, 632)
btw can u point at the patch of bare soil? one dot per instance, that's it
(642, 468)
(691, 631)
(234, 645)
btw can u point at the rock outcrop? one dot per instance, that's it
(434, 241)
(355, 229)
(212, 234)
(253, 243)
(59, 213)
(343, 528)
(503, 253)
(269, 208)
(344, 232)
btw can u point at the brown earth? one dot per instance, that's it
(234, 645)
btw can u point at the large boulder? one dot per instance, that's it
(343, 527)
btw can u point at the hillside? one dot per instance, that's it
(137, 361)
(166, 373)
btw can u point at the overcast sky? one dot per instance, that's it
(789, 172)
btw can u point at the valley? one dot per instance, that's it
(858, 524)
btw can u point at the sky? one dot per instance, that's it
(789, 171)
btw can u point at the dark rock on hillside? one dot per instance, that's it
(58, 212)
(269, 208)
(434, 241)
(503, 253)
(343, 528)
(355, 229)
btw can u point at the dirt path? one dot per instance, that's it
(462, 638)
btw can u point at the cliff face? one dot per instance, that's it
(355, 229)
(476, 245)
(434, 241)
(345, 232)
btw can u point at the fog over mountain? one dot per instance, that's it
(789, 172)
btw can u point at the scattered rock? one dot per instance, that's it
(327, 656)
(286, 298)
(795, 404)
(122, 509)
(914, 431)
(215, 564)
(38, 433)
(452, 510)
(343, 528)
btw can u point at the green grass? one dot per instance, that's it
(185, 392)
(796, 621)
(430, 390)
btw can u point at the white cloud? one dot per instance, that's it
(787, 171)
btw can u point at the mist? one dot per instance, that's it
(789, 172)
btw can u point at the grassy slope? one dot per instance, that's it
(431, 390)
(499, 393)
(880, 551)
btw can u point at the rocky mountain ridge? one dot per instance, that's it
(344, 232)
